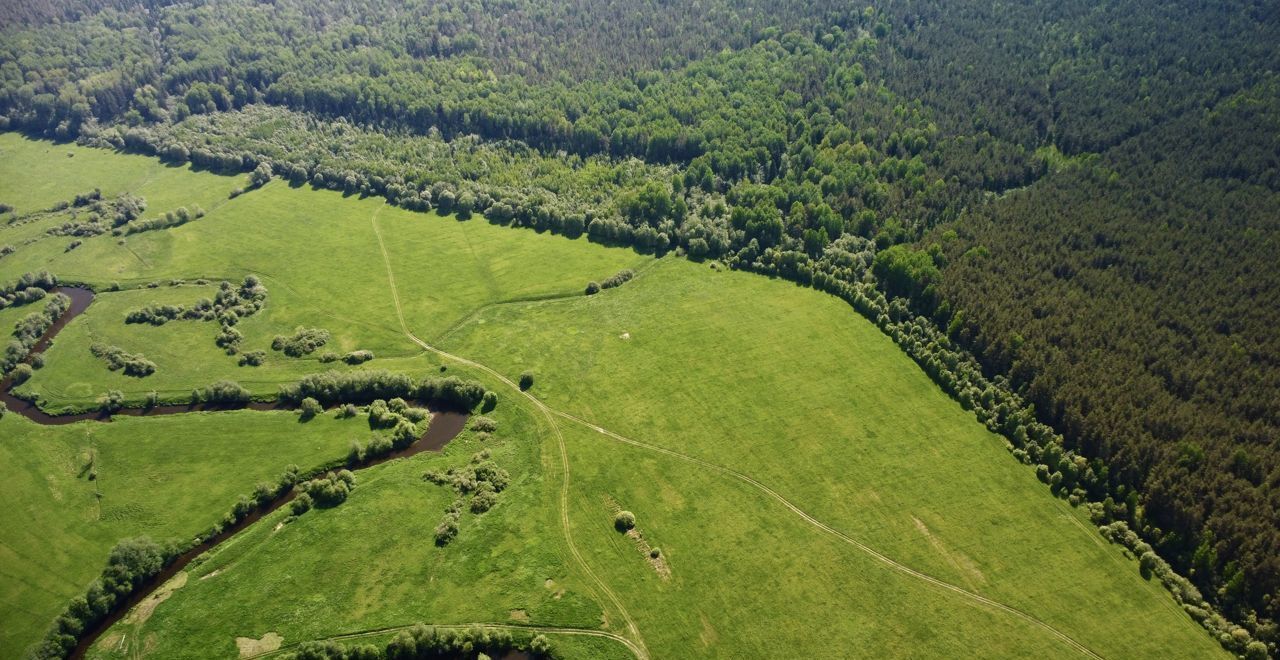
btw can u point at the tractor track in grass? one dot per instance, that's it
(639, 647)
(546, 630)
(549, 413)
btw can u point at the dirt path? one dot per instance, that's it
(641, 651)
(901, 568)
(564, 515)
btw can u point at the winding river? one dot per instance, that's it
(444, 426)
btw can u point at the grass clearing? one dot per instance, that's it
(791, 387)
(784, 384)
(166, 477)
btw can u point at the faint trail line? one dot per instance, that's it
(552, 630)
(901, 568)
(875, 554)
(639, 646)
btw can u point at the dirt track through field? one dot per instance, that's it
(639, 647)
(547, 411)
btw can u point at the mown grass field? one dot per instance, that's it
(785, 385)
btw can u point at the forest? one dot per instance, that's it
(1067, 212)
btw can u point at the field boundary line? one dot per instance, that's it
(643, 653)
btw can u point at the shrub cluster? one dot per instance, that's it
(131, 563)
(330, 490)
(253, 358)
(366, 386)
(175, 218)
(6, 250)
(304, 341)
(225, 392)
(27, 289)
(118, 359)
(423, 642)
(481, 480)
(228, 306)
(357, 357)
(618, 279)
(156, 314)
(28, 331)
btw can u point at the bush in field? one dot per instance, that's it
(331, 489)
(309, 409)
(447, 529)
(592, 288)
(483, 424)
(618, 279)
(303, 341)
(489, 402)
(119, 360)
(301, 504)
(253, 358)
(483, 500)
(347, 410)
(328, 356)
(526, 380)
(624, 521)
(357, 357)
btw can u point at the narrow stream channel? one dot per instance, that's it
(444, 426)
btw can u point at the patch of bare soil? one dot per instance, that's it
(250, 647)
(143, 610)
(642, 545)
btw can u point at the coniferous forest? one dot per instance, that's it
(1067, 212)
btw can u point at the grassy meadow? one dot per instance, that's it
(165, 477)
(780, 383)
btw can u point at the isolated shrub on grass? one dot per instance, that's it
(119, 360)
(253, 358)
(347, 410)
(483, 424)
(655, 553)
(618, 279)
(526, 380)
(303, 341)
(489, 402)
(328, 356)
(624, 521)
(447, 530)
(309, 409)
(592, 288)
(357, 357)
(330, 490)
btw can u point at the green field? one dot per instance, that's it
(811, 490)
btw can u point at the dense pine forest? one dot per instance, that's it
(1067, 212)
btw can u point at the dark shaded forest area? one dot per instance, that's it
(1084, 195)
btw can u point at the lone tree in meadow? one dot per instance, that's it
(624, 521)
(526, 380)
